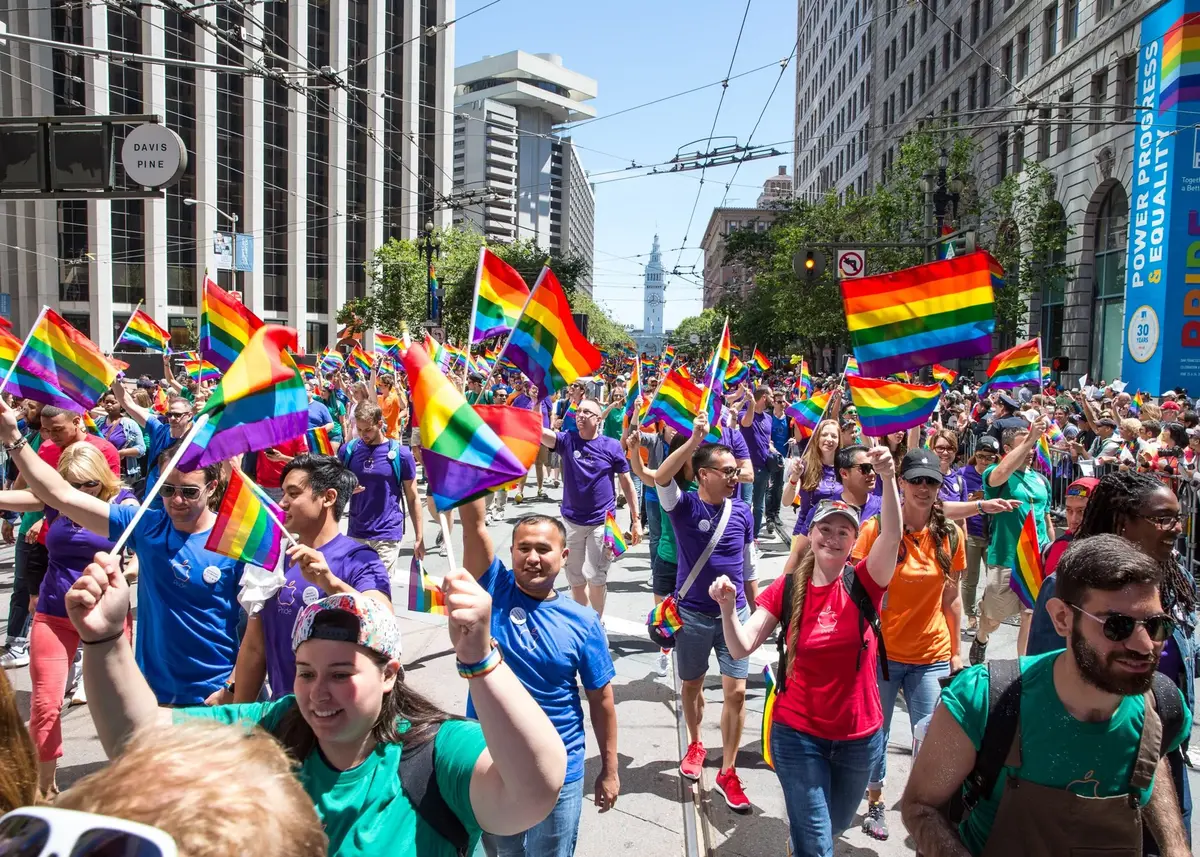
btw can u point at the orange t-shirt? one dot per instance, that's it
(391, 413)
(914, 627)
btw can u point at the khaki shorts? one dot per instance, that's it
(588, 560)
(543, 456)
(389, 553)
(999, 601)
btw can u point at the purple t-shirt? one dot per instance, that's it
(827, 489)
(114, 433)
(953, 488)
(354, 564)
(866, 511)
(522, 401)
(973, 481)
(733, 439)
(377, 512)
(70, 548)
(758, 438)
(693, 521)
(547, 407)
(588, 468)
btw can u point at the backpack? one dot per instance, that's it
(418, 781)
(867, 616)
(1004, 710)
(347, 450)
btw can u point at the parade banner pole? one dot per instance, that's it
(24, 346)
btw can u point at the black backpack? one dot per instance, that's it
(867, 616)
(1004, 710)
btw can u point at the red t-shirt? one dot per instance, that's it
(827, 694)
(50, 453)
(269, 471)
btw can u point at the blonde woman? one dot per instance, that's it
(813, 477)
(53, 639)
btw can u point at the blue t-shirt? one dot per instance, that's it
(158, 439)
(318, 414)
(187, 638)
(546, 644)
(780, 433)
(377, 512)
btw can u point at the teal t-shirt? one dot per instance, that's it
(1032, 490)
(364, 810)
(613, 423)
(1058, 751)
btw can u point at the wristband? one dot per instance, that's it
(979, 506)
(479, 670)
(13, 447)
(102, 640)
(794, 481)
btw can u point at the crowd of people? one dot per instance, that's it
(899, 568)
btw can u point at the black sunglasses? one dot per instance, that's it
(79, 486)
(188, 492)
(866, 468)
(923, 480)
(1119, 627)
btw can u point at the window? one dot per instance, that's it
(903, 41)
(974, 21)
(887, 62)
(1049, 32)
(924, 19)
(985, 86)
(1063, 138)
(924, 74)
(1098, 95)
(958, 39)
(1071, 21)
(932, 64)
(1043, 147)
(1126, 86)
(946, 51)
(903, 95)
(1054, 285)
(988, 14)
(1105, 7)
(1023, 54)
(1108, 270)
(972, 83)
(912, 30)
(1001, 156)
(954, 106)
(1006, 65)
(1018, 158)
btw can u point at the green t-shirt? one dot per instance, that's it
(28, 519)
(337, 410)
(485, 397)
(1058, 751)
(364, 810)
(666, 540)
(614, 423)
(1032, 490)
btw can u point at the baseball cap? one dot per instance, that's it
(349, 618)
(987, 443)
(920, 462)
(1170, 405)
(828, 508)
(1009, 401)
(1107, 421)
(475, 376)
(1083, 486)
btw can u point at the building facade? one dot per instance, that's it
(317, 175)
(721, 279)
(507, 147)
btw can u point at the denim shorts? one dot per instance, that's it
(695, 641)
(663, 576)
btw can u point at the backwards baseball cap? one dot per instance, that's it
(828, 508)
(349, 618)
(987, 443)
(1106, 421)
(1083, 486)
(920, 462)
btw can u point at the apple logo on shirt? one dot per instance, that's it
(827, 620)
(183, 571)
(287, 595)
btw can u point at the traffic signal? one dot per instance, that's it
(957, 244)
(1059, 364)
(809, 264)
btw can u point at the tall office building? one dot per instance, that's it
(506, 143)
(317, 175)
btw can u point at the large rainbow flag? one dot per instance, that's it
(500, 295)
(226, 325)
(249, 525)
(1015, 367)
(25, 384)
(67, 360)
(918, 316)
(713, 388)
(677, 402)
(545, 344)
(888, 406)
(1028, 572)
(144, 331)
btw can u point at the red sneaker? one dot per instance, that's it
(729, 784)
(693, 761)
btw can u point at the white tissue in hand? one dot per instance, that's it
(258, 587)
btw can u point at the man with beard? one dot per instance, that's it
(1091, 727)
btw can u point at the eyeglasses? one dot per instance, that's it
(1119, 627)
(43, 831)
(79, 486)
(591, 415)
(1163, 522)
(924, 481)
(727, 472)
(179, 416)
(188, 492)
(866, 468)
(944, 450)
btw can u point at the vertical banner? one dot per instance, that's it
(1162, 273)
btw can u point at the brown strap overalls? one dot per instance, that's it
(1039, 821)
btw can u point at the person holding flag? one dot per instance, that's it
(161, 433)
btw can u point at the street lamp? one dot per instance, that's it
(941, 197)
(432, 246)
(232, 218)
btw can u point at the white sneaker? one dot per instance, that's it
(79, 697)
(664, 660)
(489, 519)
(12, 660)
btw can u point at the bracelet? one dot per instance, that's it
(494, 659)
(229, 685)
(103, 640)
(979, 506)
(13, 447)
(794, 481)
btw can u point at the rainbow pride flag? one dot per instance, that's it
(684, 372)
(944, 376)
(1042, 455)
(736, 373)
(918, 316)
(500, 295)
(424, 592)
(713, 388)
(385, 342)
(1028, 573)
(24, 384)
(633, 389)
(359, 361)
(160, 400)
(665, 616)
(768, 715)
(569, 422)
(249, 525)
(887, 406)
(201, 370)
(331, 361)
(436, 353)
(144, 331)
(226, 325)
(545, 343)
(808, 412)
(677, 402)
(308, 373)
(1017, 366)
(67, 360)
(760, 361)
(852, 367)
(648, 366)
(613, 539)
(1056, 434)
(805, 381)
(260, 402)
(319, 442)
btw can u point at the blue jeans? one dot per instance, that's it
(823, 783)
(746, 491)
(921, 692)
(653, 521)
(759, 496)
(19, 619)
(554, 836)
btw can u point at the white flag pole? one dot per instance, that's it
(24, 345)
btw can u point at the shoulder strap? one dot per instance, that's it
(867, 616)
(1004, 712)
(785, 620)
(1168, 701)
(719, 531)
(346, 451)
(394, 458)
(418, 779)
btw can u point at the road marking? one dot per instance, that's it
(629, 628)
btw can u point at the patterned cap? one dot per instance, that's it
(828, 508)
(349, 618)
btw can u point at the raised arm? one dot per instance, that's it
(674, 462)
(1016, 457)
(881, 560)
(478, 548)
(136, 412)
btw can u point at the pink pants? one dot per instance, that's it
(53, 642)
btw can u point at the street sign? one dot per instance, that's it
(223, 250)
(851, 264)
(6, 305)
(694, 339)
(153, 156)
(243, 252)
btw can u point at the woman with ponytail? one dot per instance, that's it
(827, 728)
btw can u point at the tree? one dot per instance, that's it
(707, 327)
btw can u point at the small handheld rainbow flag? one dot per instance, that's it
(1042, 455)
(1017, 366)
(851, 367)
(736, 373)
(161, 401)
(613, 540)
(805, 381)
(201, 370)
(888, 406)
(808, 412)
(1056, 434)
(1135, 405)
(144, 331)
(424, 592)
(67, 360)
(385, 342)
(226, 325)
(768, 715)
(633, 390)
(546, 344)
(308, 373)
(1028, 573)
(684, 372)
(319, 442)
(331, 360)
(569, 421)
(665, 616)
(677, 402)
(760, 361)
(249, 525)
(500, 295)
(943, 375)
(359, 361)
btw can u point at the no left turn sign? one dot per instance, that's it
(850, 264)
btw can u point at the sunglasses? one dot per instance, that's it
(727, 472)
(79, 486)
(1119, 627)
(866, 469)
(188, 492)
(45, 831)
(924, 481)
(179, 416)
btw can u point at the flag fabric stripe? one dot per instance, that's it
(1027, 574)
(500, 293)
(244, 530)
(319, 441)
(226, 325)
(71, 363)
(1016, 366)
(768, 715)
(677, 402)
(888, 406)
(144, 331)
(807, 412)
(424, 594)
(939, 319)
(545, 344)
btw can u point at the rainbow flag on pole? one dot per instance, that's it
(1028, 573)
(713, 388)
(736, 372)
(808, 412)
(852, 367)
(201, 370)
(545, 343)
(424, 592)
(918, 316)
(319, 441)
(943, 375)
(760, 361)
(226, 325)
(359, 361)
(768, 715)
(613, 538)
(500, 295)
(1015, 367)
(331, 360)
(67, 360)
(888, 406)
(805, 380)
(677, 402)
(249, 525)
(385, 342)
(665, 616)
(21, 382)
(144, 331)
(633, 389)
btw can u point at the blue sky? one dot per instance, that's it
(637, 52)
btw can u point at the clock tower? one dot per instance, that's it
(654, 298)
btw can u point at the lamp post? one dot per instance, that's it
(941, 197)
(432, 247)
(232, 218)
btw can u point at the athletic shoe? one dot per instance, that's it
(519, 499)
(978, 653)
(663, 661)
(620, 502)
(79, 697)
(875, 825)
(543, 497)
(693, 761)
(729, 784)
(554, 483)
(437, 543)
(488, 519)
(14, 659)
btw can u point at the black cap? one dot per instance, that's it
(988, 443)
(1009, 401)
(475, 376)
(920, 462)
(1107, 421)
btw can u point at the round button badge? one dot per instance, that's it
(517, 616)
(211, 574)
(578, 455)
(705, 526)
(310, 595)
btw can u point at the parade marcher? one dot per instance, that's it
(780, 439)
(392, 403)
(351, 716)
(987, 453)
(755, 425)
(163, 434)
(125, 435)
(1069, 759)
(527, 397)
(552, 645)
(590, 461)
(814, 477)
(29, 561)
(714, 536)
(1042, 635)
(827, 720)
(856, 475)
(316, 491)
